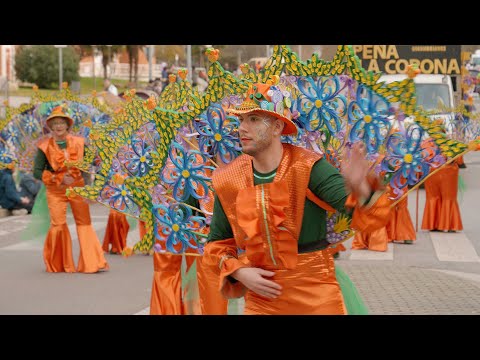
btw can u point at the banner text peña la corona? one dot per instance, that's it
(393, 59)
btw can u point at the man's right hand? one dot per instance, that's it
(253, 279)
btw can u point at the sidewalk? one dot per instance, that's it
(389, 289)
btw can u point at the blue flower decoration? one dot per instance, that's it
(11, 134)
(177, 227)
(30, 125)
(119, 197)
(369, 115)
(137, 157)
(187, 173)
(406, 160)
(6, 156)
(218, 135)
(321, 104)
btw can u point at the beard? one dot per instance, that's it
(261, 142)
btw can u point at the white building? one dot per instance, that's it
(7, 69)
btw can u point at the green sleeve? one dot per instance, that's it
(39, 164)
(220, 228)
(328, 184)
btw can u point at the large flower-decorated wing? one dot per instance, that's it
(155, 169)
(335, 104)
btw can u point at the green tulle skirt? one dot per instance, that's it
(39, 223)
(351, 297)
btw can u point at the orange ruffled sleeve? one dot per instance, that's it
(373, 215)
(221, 256)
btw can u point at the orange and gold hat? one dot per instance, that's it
(59, 112)
(271, 100)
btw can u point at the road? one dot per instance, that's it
(438, 274)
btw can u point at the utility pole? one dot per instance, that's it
(150, 60)
(60, 65)
(189, 63)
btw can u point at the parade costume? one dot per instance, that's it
(269, 216)
(335, 105)
(441, 206)
(376, 240)
(50, 168)
(400, 227)
(115, 233)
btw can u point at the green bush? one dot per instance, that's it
(38, 64)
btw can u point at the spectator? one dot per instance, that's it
(164, 78)
(108, 86)
(194, 77)
(29, 186)
(10, 198)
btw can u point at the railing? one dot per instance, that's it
(121, 71)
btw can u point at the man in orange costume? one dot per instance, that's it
(261, 207)
(116, 232)
(50, 166)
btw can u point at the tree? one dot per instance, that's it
(38, 64)
(107, 54)
(132, 51)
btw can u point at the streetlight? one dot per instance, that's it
(60, 65)
(109, 68)
(189, 63)
(150, 60)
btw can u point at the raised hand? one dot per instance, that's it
(355, 170)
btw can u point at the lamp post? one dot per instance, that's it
(109, 68)
(150, 60)
(60, 65)
(189, 63)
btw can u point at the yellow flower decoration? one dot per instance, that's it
(35, 88)
(65, 85)
(128, 251)
(118, 179)
(412, 70)
(70, 193)
(151, 103)
(182, 73)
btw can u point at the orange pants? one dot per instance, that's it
(57, 251)
(376, 240)
(441, 206)
(166, 297)
(309, 289)
(400, 226)
(116, 232)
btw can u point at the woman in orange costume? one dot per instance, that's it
(116, 232)
(400, 227)
(50, 166)
(441, 206)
